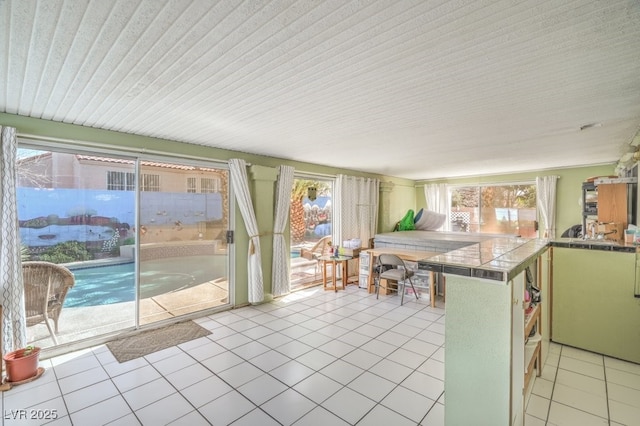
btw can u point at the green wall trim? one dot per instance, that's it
(76, 134)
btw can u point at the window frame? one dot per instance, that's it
(205, 188)
(452, 187)
(192, 185)
(154, 186)
(128, 181)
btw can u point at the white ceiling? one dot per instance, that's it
(416, 89)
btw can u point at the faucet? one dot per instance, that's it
(591, 231)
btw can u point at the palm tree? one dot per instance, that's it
(298, 193)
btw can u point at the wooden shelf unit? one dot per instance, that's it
(607, 203)
(533, 344)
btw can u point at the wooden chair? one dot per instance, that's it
(45, 288)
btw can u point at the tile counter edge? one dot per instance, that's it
(593, 245)
(521, 255)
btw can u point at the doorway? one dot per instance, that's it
(311, 221)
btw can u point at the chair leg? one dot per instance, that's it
(414, 289)
(377, 284)
(53, 335)
(404, 287)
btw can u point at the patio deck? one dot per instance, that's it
(89, 321)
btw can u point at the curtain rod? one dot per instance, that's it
(111, 148)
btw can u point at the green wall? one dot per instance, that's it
(569, 190)
(401, 198)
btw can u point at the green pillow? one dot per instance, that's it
(406, 224)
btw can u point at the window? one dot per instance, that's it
(496, 209)
(191, 185)
(208, 185)
(120, 181)
(150, 183)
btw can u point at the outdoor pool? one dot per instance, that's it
(107, 284)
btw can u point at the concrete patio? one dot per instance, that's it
(80, 323)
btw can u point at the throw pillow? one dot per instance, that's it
(430, 221)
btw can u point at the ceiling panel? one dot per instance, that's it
(415, 89)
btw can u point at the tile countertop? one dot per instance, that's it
(498, 259)
(594, 245)
(503, 258)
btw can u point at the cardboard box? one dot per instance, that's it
(350, 252)
(611, 231)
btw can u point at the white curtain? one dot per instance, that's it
(240, 183)
(356, 205)
(280, 270)
(14, 333)
(546, 196)
(437, 196)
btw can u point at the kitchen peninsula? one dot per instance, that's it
(485, 353)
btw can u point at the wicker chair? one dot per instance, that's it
(319, 249)
(45, 288)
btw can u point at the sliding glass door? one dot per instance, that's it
(183, 254)
(143, 237)
(78, 211)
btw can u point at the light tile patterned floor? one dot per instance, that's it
(311, 358)
(583, 388)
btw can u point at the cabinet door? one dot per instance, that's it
(612, 203)
(594, 307)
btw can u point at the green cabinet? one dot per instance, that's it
(593, 303)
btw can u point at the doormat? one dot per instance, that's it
(150, 341)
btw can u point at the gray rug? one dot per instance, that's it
(150, 341)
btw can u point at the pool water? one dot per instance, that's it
(104, 285)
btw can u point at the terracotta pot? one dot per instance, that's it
(20, 367)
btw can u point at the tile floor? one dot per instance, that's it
(311, 358)
(583, 388)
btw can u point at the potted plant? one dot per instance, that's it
(22, 364)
